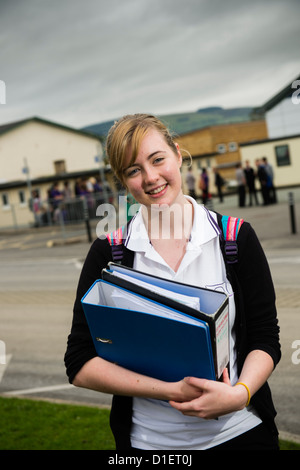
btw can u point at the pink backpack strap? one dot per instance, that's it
(231, 227)
(115, 240)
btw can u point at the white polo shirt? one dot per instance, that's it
(156, 425)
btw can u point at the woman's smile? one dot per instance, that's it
(158, 191)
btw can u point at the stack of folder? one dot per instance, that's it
(158, 327)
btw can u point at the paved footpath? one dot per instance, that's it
(39, 271)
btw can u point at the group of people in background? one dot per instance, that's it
(203, 184)
(92, 189)
(246, 180)
(82, 187)
(245, 177)
(62, 200)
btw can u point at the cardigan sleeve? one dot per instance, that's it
(259, 301)
(80, 346)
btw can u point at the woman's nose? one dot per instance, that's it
(150, 175)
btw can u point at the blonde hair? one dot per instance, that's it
(127, 134)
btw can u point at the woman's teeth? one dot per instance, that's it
(157, 190)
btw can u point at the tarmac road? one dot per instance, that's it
(37, 288)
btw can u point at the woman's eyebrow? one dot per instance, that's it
(154, 153)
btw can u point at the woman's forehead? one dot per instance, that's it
(150, 144)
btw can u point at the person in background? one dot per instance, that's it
(219, 183)
(204, 185)
(263, 179)
(235, 413)
(98, 185)
(77, 187)
(55, 195)
(241, 182)
(270, 182)
(67, 191)
(191, 182)
(55, 198)
(250, 181)
(35, 206)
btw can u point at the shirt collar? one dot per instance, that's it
(203, 230)
(137, 238)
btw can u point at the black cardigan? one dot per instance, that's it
(256, 323)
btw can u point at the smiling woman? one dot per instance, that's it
(148, 413)
(149, 165)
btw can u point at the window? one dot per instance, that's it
(232, 146)
(221, 148)
(59, 167)
(282, 155)
(5, 200)
(22, 199)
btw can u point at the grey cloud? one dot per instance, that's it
(81, 62)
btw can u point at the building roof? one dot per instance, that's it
(272, 139)
(51, 178)
(286, 92)
(14, 125)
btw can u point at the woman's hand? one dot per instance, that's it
(214, 398)
(183, 391)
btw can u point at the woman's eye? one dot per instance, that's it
(132, 172)
(158, 159)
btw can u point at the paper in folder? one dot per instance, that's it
(158, 327)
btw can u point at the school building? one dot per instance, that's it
(218, 147)
(34, 153)
(282, 146)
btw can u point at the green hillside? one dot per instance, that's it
(182, 123)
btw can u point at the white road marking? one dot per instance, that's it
(27, 391)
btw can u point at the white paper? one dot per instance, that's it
(193, 302)
(120, 298)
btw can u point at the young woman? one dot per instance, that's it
(148, 413)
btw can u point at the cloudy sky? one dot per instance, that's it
(79, 62)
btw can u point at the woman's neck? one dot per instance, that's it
(169, 222)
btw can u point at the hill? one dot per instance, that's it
(181, 123)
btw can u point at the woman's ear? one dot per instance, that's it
(179, 154)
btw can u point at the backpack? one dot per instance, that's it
(227, 227)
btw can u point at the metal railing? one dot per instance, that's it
(41, 213)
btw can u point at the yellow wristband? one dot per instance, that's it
(247, 388)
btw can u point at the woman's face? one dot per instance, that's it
(154, 177)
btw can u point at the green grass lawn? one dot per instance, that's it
(40, 425)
